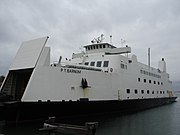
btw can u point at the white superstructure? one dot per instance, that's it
(101, 72)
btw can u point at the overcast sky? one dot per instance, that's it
(71, 24)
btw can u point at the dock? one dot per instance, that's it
(51, 127)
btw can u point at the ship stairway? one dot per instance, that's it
(16, 82)
(10, 84)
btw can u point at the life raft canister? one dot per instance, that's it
(111, 69)
(84, 83)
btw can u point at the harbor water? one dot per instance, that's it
(164, 120)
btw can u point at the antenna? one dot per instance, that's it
(149, 58)
(60, 58)
(110, 39)
(81, 48)
(122, 42)
(102, 37)
(98, 39)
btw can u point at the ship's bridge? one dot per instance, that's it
(99, 47)
(106, 48)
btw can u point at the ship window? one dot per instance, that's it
(158, 83)
(128, 91)
(141, 71)
(139, 79)
(161, 83)
(135, 91)
(98, 64)
(86, 63)
(104, 46)
(96, 46)
(100, 46)
(144, 72)
(152, 92)
(149, 81)
(144, 80)
(142, 91)
(106, 63)
(125, 66)
(122, 66)
(157, 92)
(92, 63)
(160, 92)
(147, 91)
(154, 82)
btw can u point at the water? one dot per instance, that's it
(164, 120)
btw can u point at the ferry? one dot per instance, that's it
(101, 79)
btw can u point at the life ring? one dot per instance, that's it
(111, 69)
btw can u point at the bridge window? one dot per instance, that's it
(106, 63)
(98, 64)
(92, 63)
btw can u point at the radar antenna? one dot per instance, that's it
(81, 48)
(98, 39)
(122, 42)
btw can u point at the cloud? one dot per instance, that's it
(71, 24)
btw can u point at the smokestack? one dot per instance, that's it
(149, 57)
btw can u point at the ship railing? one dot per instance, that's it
(144, 66)
(67, 65)
(82, 67)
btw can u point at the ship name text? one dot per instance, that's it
(70, 70)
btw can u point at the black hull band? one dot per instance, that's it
(25, 111)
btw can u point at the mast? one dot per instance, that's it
(149, 58)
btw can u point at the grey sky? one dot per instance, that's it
(73, 23)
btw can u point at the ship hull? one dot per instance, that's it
(29, 111)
